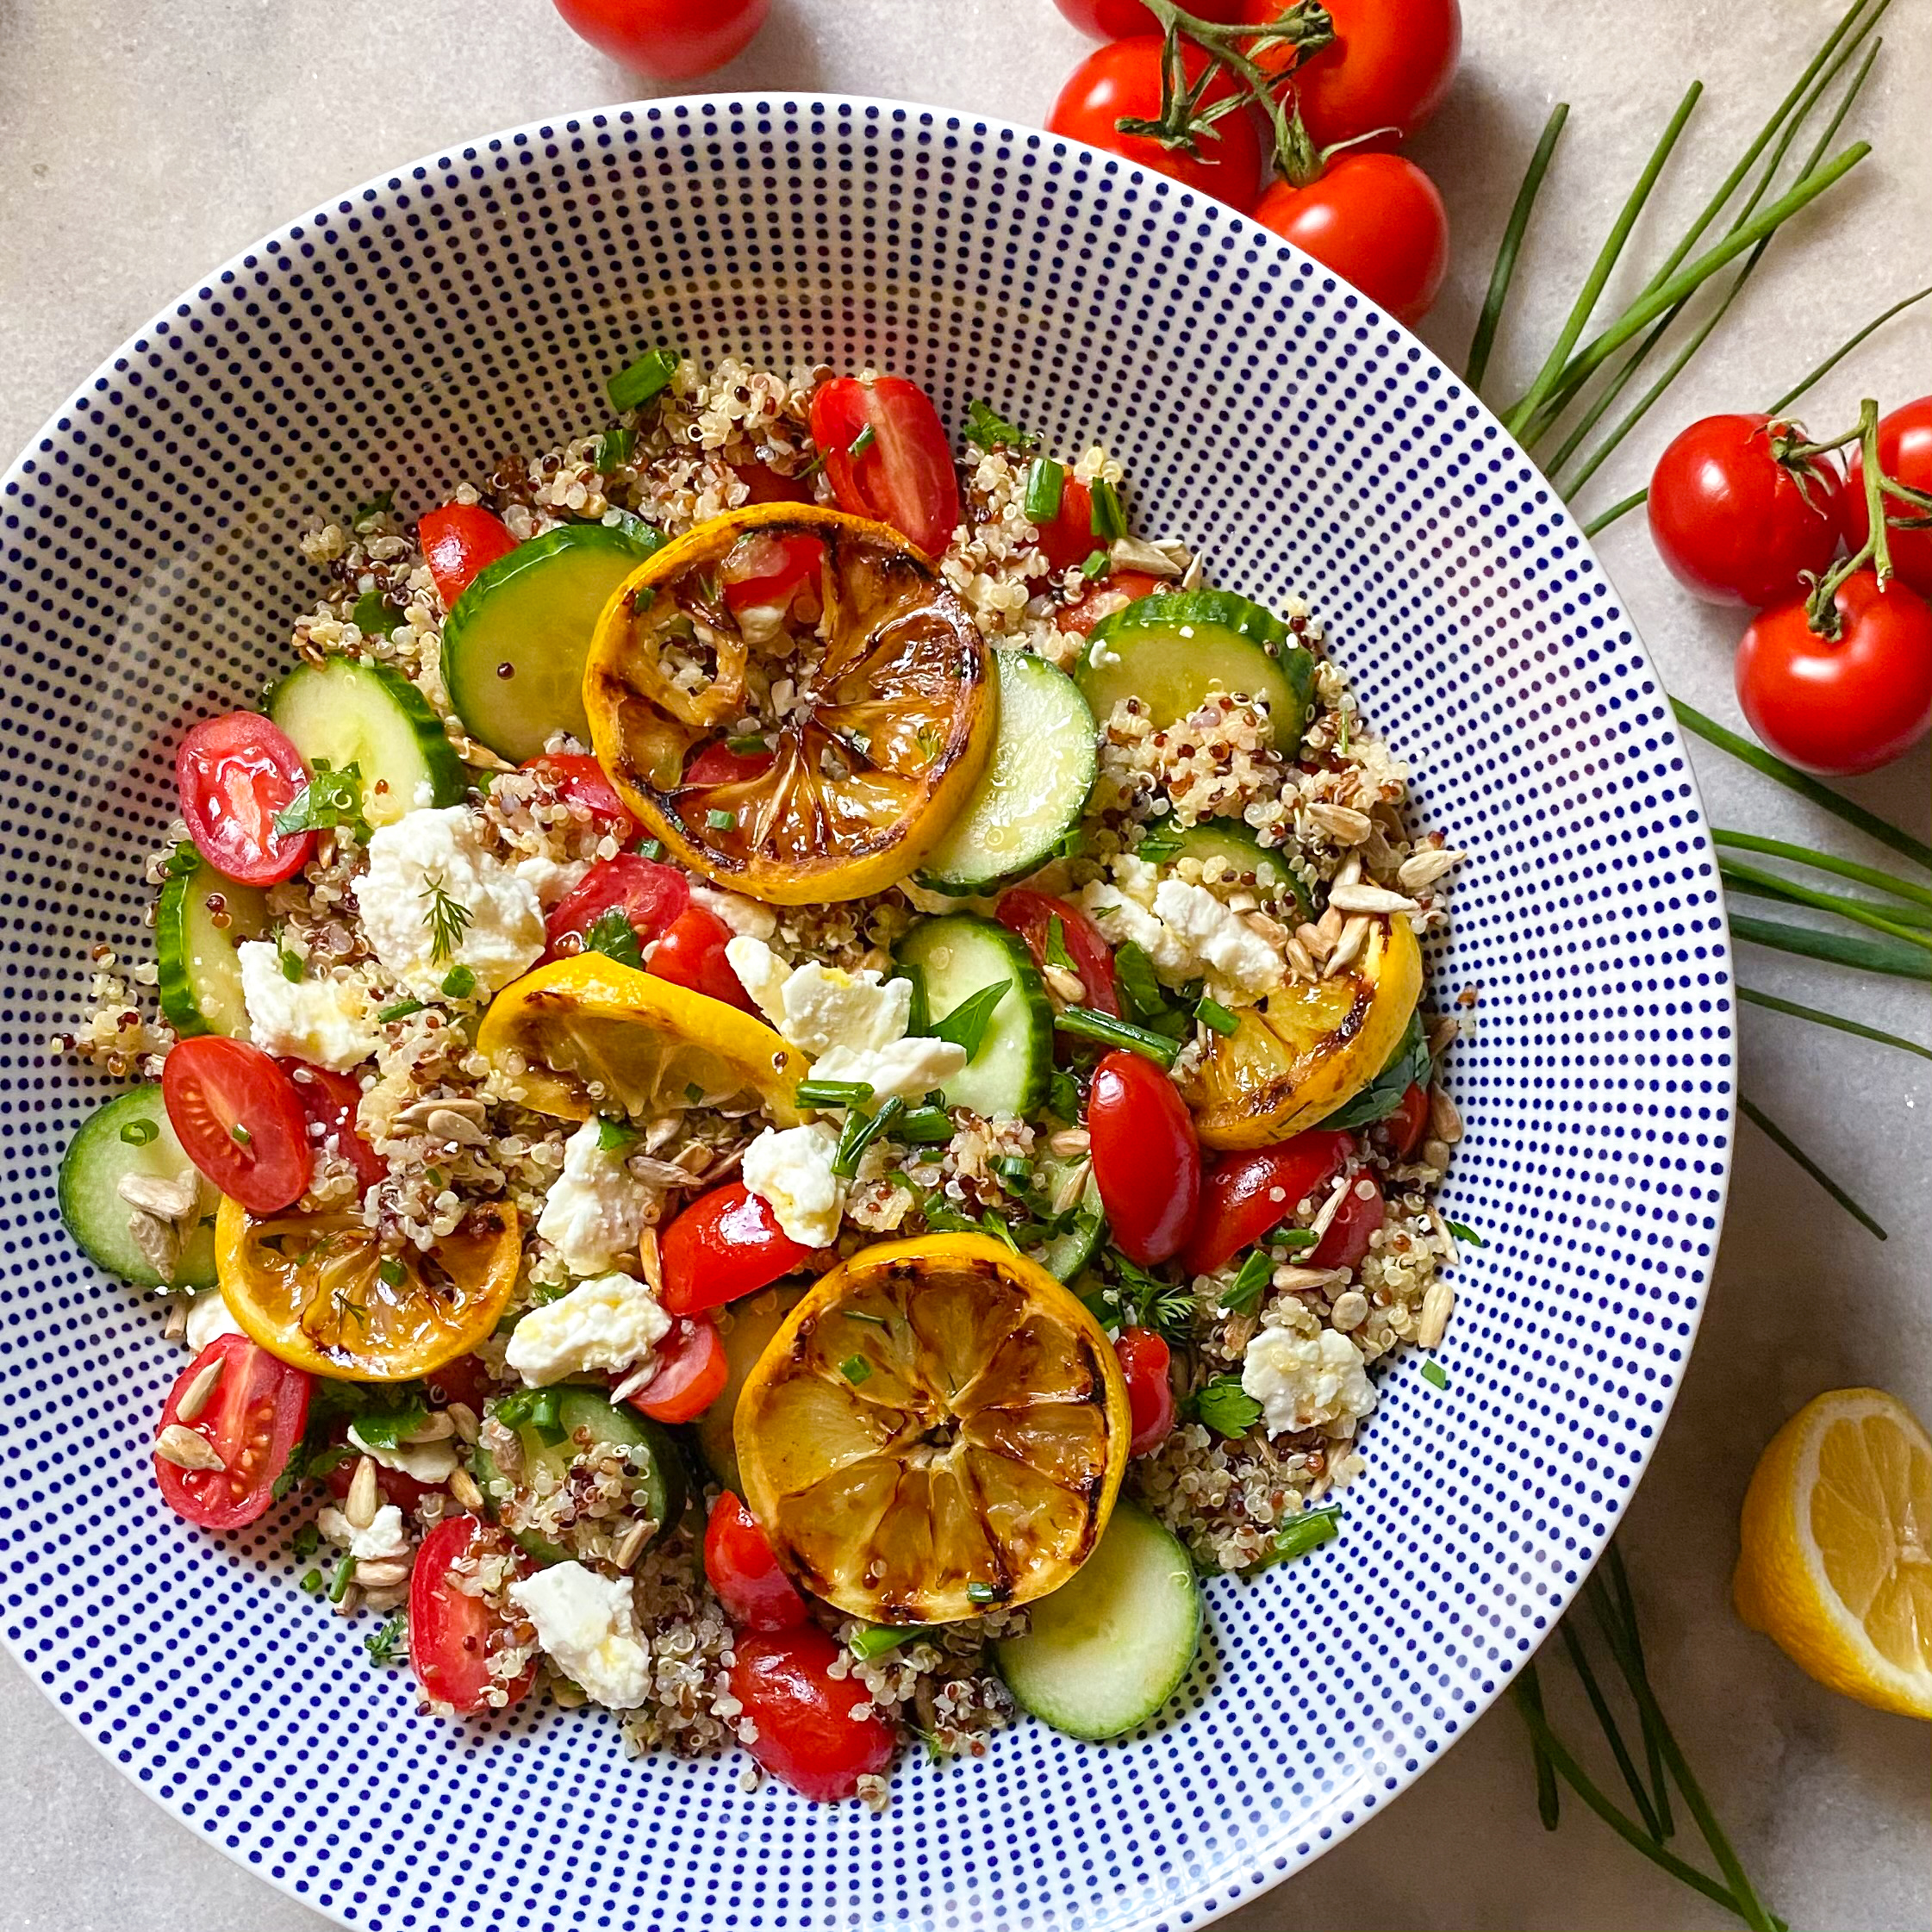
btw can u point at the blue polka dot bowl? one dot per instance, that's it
(413, 332)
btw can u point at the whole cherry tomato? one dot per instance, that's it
(332, 1102)
(1143, 1363)
(1377, 220)
(726, 1243)
(1247, 1195)
(667, 40)
(1905, 456)
(1735, 524)
(1118, 20)
(691, 954)
(649, 897)
(738, 1562)
(458, 541)
(887, 457)
(580, 780)
(807, 1734)
(692, 1371)
(1121, 81)
(453, 1633)
(766, 571)
(1345, 1240)
(1031, 915)
(1146, 1159)
(233, 774)
(1837, 706)
(1389, 65)
(1111, 594)
(252, 1417)
(1402, 1131)
(240, 1120)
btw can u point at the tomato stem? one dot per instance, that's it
(1821, 607)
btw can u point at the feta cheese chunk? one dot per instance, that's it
(431, 1464)
(586, 1625)
(1307, 1382)
(384, 1539)
(611, 1323)
(1225, 943)
(742, 915)
(209, 1317)
(596, 1208)
(325, 1021)
(909, 1069)
(790, 1171)
(818, 1008)
(761, 972)
(551, 878)
(426, 853)
(1122, 920)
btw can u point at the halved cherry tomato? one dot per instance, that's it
(331, 1100)
(1146, 1159)
(395, 1485)
(252, 1417)
(239, 1120)
(465, 1380)
(691, 954)
(1069, 539)
(458, 541)
(1032, 914)
(1111, 594)
(1402, 1131)
(738, 1562)
(1905, 456)
(726, 1243)
(1377, 220)
(1363, 1211)
(233, 774)
(692, 1371)
(650, 897)
(582, 781)
(807, 1734)
(767, 486)
(887, 456)
(1143, 1360)
(452, 1634)
(1248, 1194)
(764, 571)
(718, 764)
(1388, 67)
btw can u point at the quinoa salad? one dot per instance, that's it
(784, 1083)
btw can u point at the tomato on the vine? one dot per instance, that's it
(806, 1733)
(458, 541)
(667, 40)
(233, 774)
(251, 1415)
(1146, 1157)
(1031, 915)
(1377, 220)
(1387, 68)
(1143, 1363)
(454, 1634)
(1119, 20)
(887, 457)
(726, 1243)
(1905, 456)
(739, 1564)
(239, 1118)
(692, 1371)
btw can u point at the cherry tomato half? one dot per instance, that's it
(1143, 1363)
(692, 1370)
(452, 1634)
(331, 1102)
(233, 774)
(738, 1562)
(1068, 539)
(1111, 594)
(726, 1243)
(691, 954)
(807, 1734)
(1377, 220)
(252, 1417)
(1246, 1195)
(718, 764)
(1389, 65)
(580, 780)
(465, 1380)
(1905, 456)
(763, 571)
(1118, 20)
(901, 473)
(1838, 707)
(1146, 1159)
(1345, 1240)
(1121, 81)
(1032, 914)
(1402, 1131)
(239, 1118)
(648, 896)
(458, 541)
(1734, 524)
(667, 40)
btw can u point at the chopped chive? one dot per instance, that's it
(860, 1315)
(1528, 1694)
(1864, 1032)
(925, 1126)
(694, 1094)
(856, 1369)
(648, 375)
(834, 1093)
(1243, 1296)
(1505, 270)
(141, 1133)
(720, 821)
(876, 1639)
(981, 1593)
(400, 1009)
(1467, 1236)
(1432, 1374)
(339, 1584)
(1082, 1023)
(312, 1582)
(748, 744)
(1783, 1141)
(1096, 565)
(614, 448)
(1294, 1241)
(1046, 482)
(1309, 1530)
(1109, 521)
(860, 1131)
(392, 1273)
(862, 442)
(459, 983)
(1844, 349)
(652, 849)
(1014, 1167)
(1216, 1017)
(240, 1136)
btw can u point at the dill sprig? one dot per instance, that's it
(448, 920)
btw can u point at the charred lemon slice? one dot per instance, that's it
(586, 1036)
(868, 685)
(938, 1427)
(1310, 1048)
(318, 1291)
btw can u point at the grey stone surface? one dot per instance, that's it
(142, 142)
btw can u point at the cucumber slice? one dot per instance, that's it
(957, 955)
(515, 646)
(746, 1327)
(657, 1486)
(372, 717)
(1227, 840)
(1064, 1256)
(1111, 1646)
(131, 1134)
(1035, 786)
(201, 977)
(1176, 648)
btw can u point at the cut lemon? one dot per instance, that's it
(1309, 1049)
(586, 1036)
(874, 748)
(317, 1290)
(1836, 1566)
(938, 1427)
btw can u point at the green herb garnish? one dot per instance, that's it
(986, 429)
(652, 849)
(1046, 482)
(400, 1009)
(856, 1369)
(862, 442)
(1083, 1023)
(1056, 953)
(1468, 1236)
(330, 800)
(311, 1580)
(924, 1127)
(392, 1273)
(614, 448)
(748, 744)
(694, 1094)
(721, 821)
(374, 616)
(875, 1640)
(966, 1025)
(1408, 1066)
(648, 375)
(344, 1576)
(1243, 1296)
(614, 935)
(389, 1644)
(141, 1133)
(1215, 1016)
(459, 983)
(1226, 1407)
(1300, 1533)
(385, 1428)
(981, 1593)
(448, 919)
(1432, 1373)
(1097, 565)
(1109, 520)
(240, 1136)
(304, 1544)
(834, 1093)
(378, 505)
(860, 1131)
(614, 1136)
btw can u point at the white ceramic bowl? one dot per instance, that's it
(417, 329)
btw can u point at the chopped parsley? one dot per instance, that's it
(614, 935)
(614, 1136)
(986, 429)
(331, 800)
(374, 616)
(862, 442)
(1226, 1407)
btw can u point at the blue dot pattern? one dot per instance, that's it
(413, 332)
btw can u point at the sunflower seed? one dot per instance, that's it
(666, 1174)
(365, 1497)
(159, 1244)
(1348, 948)
(384, 1573)
(1444, 1122)
(435, 1429)
(1068, 988)
(1442, 1030)
(1316, 943)
(1301, 1280)
(463, 1418)
(445, 1124)
(417, 1118)
(1136, 553)
(1349, 874)
(1369, 899)
(1342, 823)
(651, 1259)
(193, 1398)
(1068, 1140)
(1297, 959)
(186, 1449)
(630, 1546)
(1438, 1306)
(155, 1195)
(1330, 1209)
(176, 1326)
(463, 1487)
(1067, 1196)
(1423, 867)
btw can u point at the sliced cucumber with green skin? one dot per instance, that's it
(1176, 649)
(371, 716)
(1035, 786)
(1227, 840)
(515, 646)
(131, 1134)
(1111, 1645)
(1064, 1256)
(957, 955)
(201, 976)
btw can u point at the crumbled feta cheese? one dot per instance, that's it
(1224, 942)
(1136, 877)
(1306, 1381)
(431, 1464)
(611, 1323)
(743, 915)
(761, 972)
(209, 1317)
(384, 1539)
(790, 1171)
(550, 878)
(909, 1069)
(586, 1625)
(826, 1007)
(325, 1021)
(423, 853)
(1122, 920)
(596, 1208)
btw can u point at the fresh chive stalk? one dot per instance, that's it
(1082, 1023)
(1840, 949)
(1778, 1138)
(1504, 273)
(1825, 862)
(1752, 997)
(1748, 878)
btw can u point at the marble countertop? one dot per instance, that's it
(222, 118)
